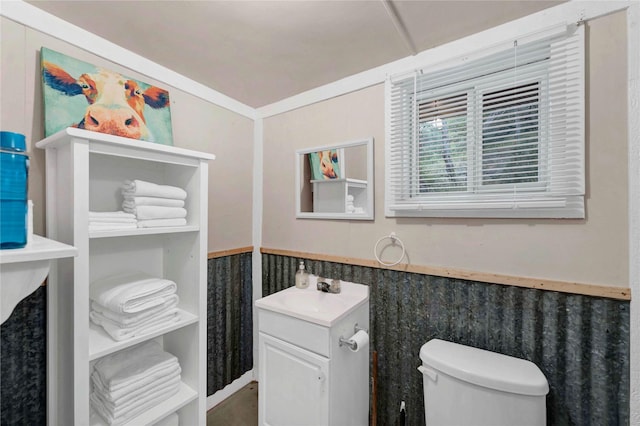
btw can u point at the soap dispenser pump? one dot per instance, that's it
(302, 276)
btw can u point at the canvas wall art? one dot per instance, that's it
(325, 165)
(78, 94)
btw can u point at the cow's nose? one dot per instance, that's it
(115, 121)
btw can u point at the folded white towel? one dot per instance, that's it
(130, 402)
(149, 379)
(122, 417)
(138, 387)
(141, 188)
(99, 220)
(131, 202)
(125, 399)
(157, 212)
(117, 333)
(130, 320)
(160, 314)
(115, 215)
(131, 292)
(170, 420)
(159, 223)
(131, 399)
(130, 365)
(111, 226)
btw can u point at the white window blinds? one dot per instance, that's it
(498, 136)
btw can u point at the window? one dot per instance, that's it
(499, 136)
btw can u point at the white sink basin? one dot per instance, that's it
(315, 306)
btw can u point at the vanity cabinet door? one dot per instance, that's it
(294, 383)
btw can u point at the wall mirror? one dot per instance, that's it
(335, 181)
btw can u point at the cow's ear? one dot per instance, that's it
(156, 97)
(59, 79)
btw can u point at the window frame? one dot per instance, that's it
(529, 199)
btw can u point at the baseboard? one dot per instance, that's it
(230, 389)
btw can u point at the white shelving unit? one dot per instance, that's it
(84, 172)
(330, 196)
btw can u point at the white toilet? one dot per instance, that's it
(470, 386)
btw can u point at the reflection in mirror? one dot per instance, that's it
(335, 182)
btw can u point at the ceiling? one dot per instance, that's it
(260, 52)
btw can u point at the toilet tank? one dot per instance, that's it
(470, 386)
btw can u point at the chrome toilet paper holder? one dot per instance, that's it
(350, 343)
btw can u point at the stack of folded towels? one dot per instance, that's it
(132, 381)
(133, 304)
(154, 205)
(111, 221)
(351, 208)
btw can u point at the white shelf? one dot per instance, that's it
(143, 231)
(184, 396)
(354, 182)
(101, 344)
(109, 144)
(40, 248)
(330, 198)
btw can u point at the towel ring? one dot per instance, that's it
(392, 236)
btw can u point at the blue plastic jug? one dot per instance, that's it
(14, 173)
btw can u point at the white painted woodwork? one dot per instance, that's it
(24, 269)
(84, 172)
(306, 377)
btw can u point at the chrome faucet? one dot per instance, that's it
(325, 287)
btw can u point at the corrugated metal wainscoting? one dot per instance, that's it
(229, 320)
(581, 343)
(23, 362)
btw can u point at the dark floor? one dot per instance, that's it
(240, 409)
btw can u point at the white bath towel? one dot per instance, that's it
(170, 420)
(132, 202)
(130, 365)
(163, 314)
(141, 188)
(99, 220)
(111, 215)
(160, 223)
(129, 401)
(131, 292)
(141, 386)
(111, 226)
(131, 398)
(157, 323)
(121, 409)
(122, 416)
(157, 212)
(130, 320)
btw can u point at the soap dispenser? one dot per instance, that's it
(302, 276)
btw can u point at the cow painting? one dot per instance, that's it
(102, 101)
(324, 165)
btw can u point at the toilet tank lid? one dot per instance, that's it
(484, 368)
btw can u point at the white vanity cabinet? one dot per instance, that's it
(295, 383)
(84, 172)
(305, 376)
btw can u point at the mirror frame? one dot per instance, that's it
(369, 213)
